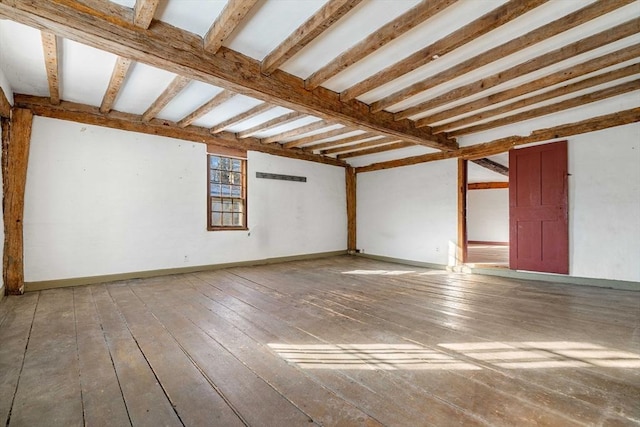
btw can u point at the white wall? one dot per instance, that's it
(488, 215)
(5, 86)
(102, 201)
(409, 212)
(604, 204)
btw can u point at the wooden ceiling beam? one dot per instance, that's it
(492, 166)
(258, 109)
(375, 150)
(118, 76)
(51, 55)
(320, 124)
(336, 142)
(230, 17)
(553, 108)
(595, 41)
(207, 107)
(87, 114)
(143, 12)
(270, 124)
(317, 137)
(560, 25)
(178, 51)
(174, 88)
(324, 18)
(503, 145)
(573, 72)
(490, 21)
(380, 37)
(554, 93)
(355, 147)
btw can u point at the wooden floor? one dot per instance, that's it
(341, 341)
(488, 255)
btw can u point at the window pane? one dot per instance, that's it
(237, 206)
(216, 190)
(236, 178)
(215, 161)
(227, 219)
(216, 219)
(237, 219)
(236, 191)
(216, 206)
(216, 177)
(237, 165)
(227, 205)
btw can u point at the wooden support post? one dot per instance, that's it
(350, 175)
(16, 178)
(462, 211)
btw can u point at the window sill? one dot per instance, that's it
(227, 229)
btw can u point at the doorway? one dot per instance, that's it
(521, 221)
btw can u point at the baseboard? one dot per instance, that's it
(558, 278)
(403, 261)
(515, 274)
(80, 281)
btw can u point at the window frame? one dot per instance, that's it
(243, 197)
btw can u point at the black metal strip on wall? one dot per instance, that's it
(281, 177)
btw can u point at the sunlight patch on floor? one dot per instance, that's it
(368, 357)
(546, 354)
(508, 355)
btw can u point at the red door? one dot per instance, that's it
(538, 209)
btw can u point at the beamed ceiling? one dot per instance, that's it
(367, 83)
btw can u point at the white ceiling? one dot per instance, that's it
(85, 71)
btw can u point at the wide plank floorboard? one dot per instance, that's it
(340, 341)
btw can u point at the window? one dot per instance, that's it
(227, 193)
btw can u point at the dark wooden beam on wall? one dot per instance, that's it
(462, 210)
(16, 179)
(492, 166)
(181, 52)
(351, 182)
(487, 185)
